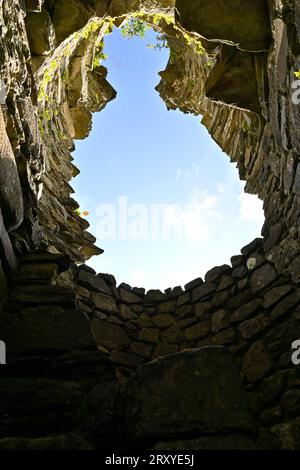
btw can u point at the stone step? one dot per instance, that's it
(37, 273)
(43, 257)
(48, 328)
(38, 294)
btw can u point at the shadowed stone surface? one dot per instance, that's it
(193, 390)
(230, 442)
(228, 83)
(49, 328)
(245, 23)
(11, 198)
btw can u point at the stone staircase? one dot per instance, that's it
(57, 390)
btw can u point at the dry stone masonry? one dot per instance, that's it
(207, 366)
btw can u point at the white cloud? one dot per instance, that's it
(187, 173)
(251, 209)
(221, 188)
(194, 220)
(178, 173)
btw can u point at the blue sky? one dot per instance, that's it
(154, 158)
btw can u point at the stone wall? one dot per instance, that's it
(53, 84)
(248, 307)
(84, 384)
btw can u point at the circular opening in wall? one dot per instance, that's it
(161, 197)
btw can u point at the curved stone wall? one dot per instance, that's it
(249, 307)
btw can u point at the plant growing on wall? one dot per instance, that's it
(134, 27)
(161, 43)
(137, 26)
(81, 213)
(99, 55)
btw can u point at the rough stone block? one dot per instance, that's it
(198, 331)
(48, 328)
(246, 24)
(179, 393)
(109, 335)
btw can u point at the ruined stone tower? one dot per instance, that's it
(207, 367)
